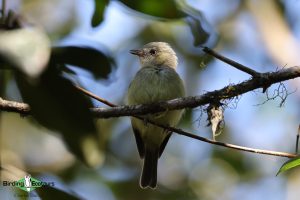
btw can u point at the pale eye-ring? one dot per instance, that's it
(152, 51)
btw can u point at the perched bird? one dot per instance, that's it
(156, 81)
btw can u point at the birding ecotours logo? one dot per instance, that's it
(28, 183)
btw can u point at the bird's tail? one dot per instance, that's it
(149, 173)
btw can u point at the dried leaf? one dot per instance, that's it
(216, 119)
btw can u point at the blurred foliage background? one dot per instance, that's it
(90, 42)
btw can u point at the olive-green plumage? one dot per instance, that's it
(156, 81)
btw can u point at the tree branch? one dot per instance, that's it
(227, 92)
(297, 139)
(231, 146)
(231, 62)
(24, 109)
(259, 80)
(88, 93)
(12, 106)
(187, 134)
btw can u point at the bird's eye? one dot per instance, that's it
(152, 51)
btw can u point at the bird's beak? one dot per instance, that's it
(137, 52)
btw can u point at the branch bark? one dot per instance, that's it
(227, 145)
(228, 92)
(13, 106)
(258, 80)
(231, 62)
(190, 135)
(23, 108)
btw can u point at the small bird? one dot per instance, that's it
(156, 81)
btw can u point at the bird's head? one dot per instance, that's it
(156, 54)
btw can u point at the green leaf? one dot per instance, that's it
(100, 6)
(201, 29)
(289, 165)
(199, 33)
(197, 23)
(164, 9)
(27, 49)
(49, 193)
(97, 62)
(56, 104)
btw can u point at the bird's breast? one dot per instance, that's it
(153, 84)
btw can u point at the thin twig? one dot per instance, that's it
(232, 146)
(231, 62)
(258, 80)
(203, 139)
(281, 93)
(227, 92)
(297, 139)
(25, 109)
(88, 93)
(13, 106)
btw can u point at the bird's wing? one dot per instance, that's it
(139, 141)
(164, 143)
